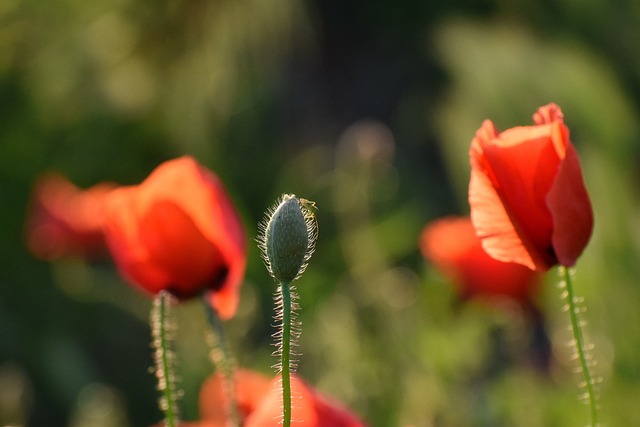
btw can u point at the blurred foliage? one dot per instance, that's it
(368, 109)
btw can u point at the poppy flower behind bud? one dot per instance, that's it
(287, 237)
(259, 402)
(310, 408)
(527, 195)
(250, 388)
(178, 231)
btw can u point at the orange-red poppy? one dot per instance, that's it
(250, 388)
(527, 195)
(260, 404)
(179, 231)
(309, 408)
(64, 220)
(452, 246)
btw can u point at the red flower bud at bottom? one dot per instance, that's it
(260, 404)
(309, 409)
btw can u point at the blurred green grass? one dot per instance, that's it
(366, 108)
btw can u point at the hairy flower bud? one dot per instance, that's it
(287, 237)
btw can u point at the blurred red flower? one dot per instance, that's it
(251, 387)
(179, 231)
(527, 195)
(64, 220)
(308, 408)
(452, 246)
(260, 404)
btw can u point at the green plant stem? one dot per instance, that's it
(285, 353)
(223, 359)
(162, 336)
(581, 351)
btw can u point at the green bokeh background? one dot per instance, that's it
(368, 108)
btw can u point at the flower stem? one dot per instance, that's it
(223, 360)
(582, 354)
(163, 330)
(285, 352)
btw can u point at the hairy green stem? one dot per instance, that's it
(580, 345)
(162, 332)
(223, 359)
(285, 353)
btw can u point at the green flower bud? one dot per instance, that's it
(287, 237)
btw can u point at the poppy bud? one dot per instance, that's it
(287, 237)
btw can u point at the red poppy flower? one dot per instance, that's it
(527, 195)
(260, 404)
(178, 231)
(251, 387)
(309, 408)
(64, 220)
(452, 246)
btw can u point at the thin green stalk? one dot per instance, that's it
(223, 359)
(580, 346)
(285, 352)
(163, 330)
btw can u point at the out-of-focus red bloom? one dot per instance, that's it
(250, 386)
(192, 424)
(260, 404)
(64, 220)
(309, 408)
(452, 246)
(179, 231)
(527, 195)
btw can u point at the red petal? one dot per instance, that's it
(493, 224)
(446, 241)
(251, 388)
(269, 411)
(131, 256)
(452, 246)
(548, 114)
(178, 248)
(570, 208)
(309, 409)
(64, 220)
